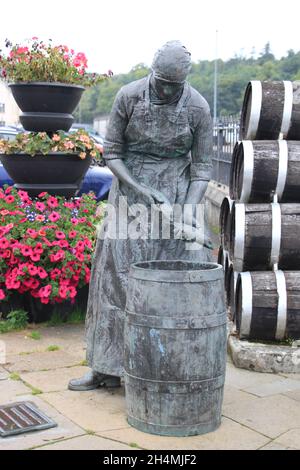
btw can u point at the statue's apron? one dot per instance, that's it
(152, 130)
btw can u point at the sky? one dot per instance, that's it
(118, 35)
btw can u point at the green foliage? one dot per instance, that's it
(35, 335)
(233, 76)
(75, 317)
(16, 320)
(14, 376)
(53, 347)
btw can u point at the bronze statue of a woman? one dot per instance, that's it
(158, 145)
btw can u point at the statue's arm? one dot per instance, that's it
(201, 152)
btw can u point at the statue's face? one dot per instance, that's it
(166, 89)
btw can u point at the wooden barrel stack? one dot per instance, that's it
(260, 221)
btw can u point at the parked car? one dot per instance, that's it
(8, 133)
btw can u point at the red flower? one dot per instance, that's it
(55, 273)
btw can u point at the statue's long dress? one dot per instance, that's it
(157, 143)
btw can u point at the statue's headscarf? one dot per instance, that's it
(172, 62)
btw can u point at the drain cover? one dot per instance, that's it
(20, 417)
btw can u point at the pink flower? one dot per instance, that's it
(54, 216)
(32, 269)
(4, 243)
(9, 199)
(74, 221)
(72, 234)
(60, 235)
(40, 218)
(35, 257)
(42, 273)
(55, 273)
(80, 245)
(56, 138)
(52, 202)
(63, 244)
(38, 248)
(26, 250)
(42, 194)
(32, 233)
(40, 206)
(2, 295)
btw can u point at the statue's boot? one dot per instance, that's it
(92, 380)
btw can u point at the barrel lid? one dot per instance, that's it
(176, 271)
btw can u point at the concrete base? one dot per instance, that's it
(261, 357)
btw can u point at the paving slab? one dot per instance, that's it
(65, 428)
(229, 435)
(295, 395)
(96, 410)
(53, 380)
(234, 395)
(281, 385)
(86, 443)
(46, 360)
(11, 389)
(275, 446)
(290, 439)
(243, 379)
(3, 373)
(270, 416)
(64, 336)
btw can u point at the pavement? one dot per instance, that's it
(260, 411)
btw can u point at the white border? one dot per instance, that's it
(282, 167)
(256, 101)
(282, 305)
(246, 313)
(276, 233)
(239, 242)
(287, 107)
(248, 152)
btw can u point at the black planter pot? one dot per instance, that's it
(38, 312)
(58, 174)
(46, 106)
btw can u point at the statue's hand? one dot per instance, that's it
(152, 195)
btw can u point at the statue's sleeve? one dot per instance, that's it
(201, 150)
(114, 137)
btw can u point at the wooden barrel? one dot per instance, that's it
(230, 293)
(263, 168)
(263, 235)
(175, 347)
(224, 221)
(271, 109)
(268, 305)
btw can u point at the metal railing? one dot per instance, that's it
(225, 136)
